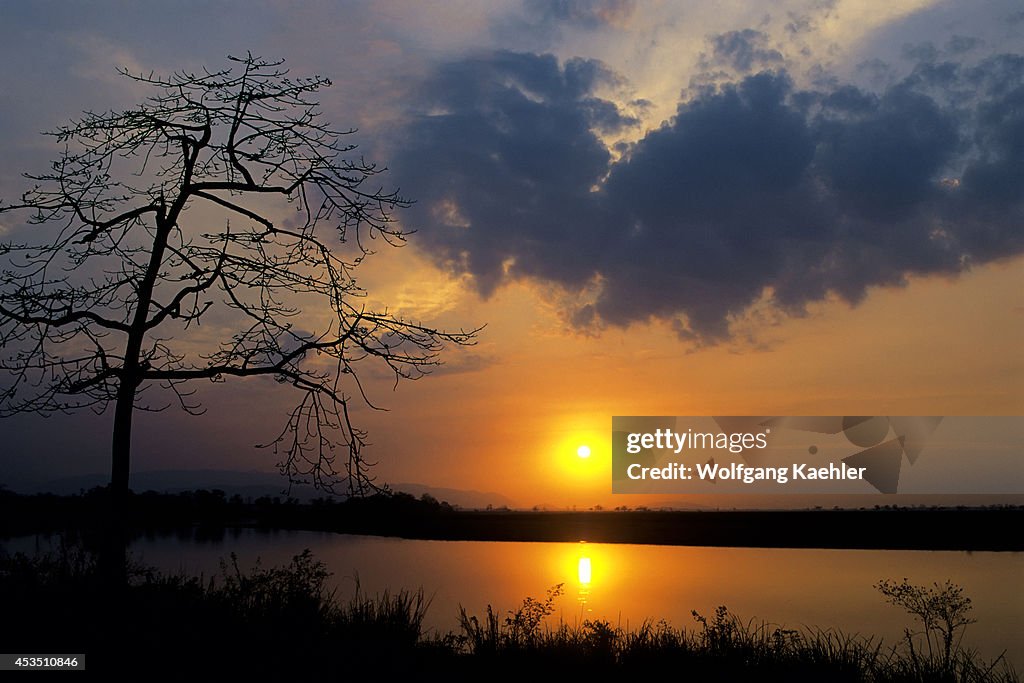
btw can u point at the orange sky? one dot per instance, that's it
(938, 346)
(508, 414)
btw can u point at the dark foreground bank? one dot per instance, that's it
(992, 528)
(284, 622)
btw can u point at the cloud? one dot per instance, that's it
(462, 361)
(958, 44)
(589, 14)
(544, 24)
(503, 160)
(755, 191)
(742, 51)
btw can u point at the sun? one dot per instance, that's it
(579, 456)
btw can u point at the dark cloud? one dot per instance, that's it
(540, 24)
(995, 179)
(756, 189)
(742, 51)
(808, 22)
(881, 156)
(958, 44)
(920, 52)
(584, 13)
(503, 162)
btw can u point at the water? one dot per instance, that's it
(626, 584)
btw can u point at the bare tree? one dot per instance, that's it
(103, 304)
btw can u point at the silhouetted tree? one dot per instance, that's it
(102, 304)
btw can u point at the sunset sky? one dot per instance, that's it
(659, 208)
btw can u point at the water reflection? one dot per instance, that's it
(584, 574)
(626, 584)
(583, 570)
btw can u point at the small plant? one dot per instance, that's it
(519, 630)
(722, 632)
(523, 625)
(297, 591)
(396, 617)
(600, 637)
(943, 610)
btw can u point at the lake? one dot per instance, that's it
(626, 584)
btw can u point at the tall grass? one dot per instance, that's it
(719, 647)
(287, 620)
(255, 621)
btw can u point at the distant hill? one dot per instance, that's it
(232, 482)
(253, 484)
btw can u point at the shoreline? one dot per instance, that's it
(959, 530)
(402, 516)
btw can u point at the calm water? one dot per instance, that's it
(627, 584)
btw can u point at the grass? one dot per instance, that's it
(287, 621)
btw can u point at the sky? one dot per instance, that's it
(700, 208)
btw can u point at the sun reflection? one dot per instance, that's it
(584, 574)
(583, 570)
(590, 573)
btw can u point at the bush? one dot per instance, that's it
(935, 652)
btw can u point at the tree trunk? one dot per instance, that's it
(114, 553)
(121, 446)
(114, 557)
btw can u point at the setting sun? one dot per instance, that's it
(578, 457)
